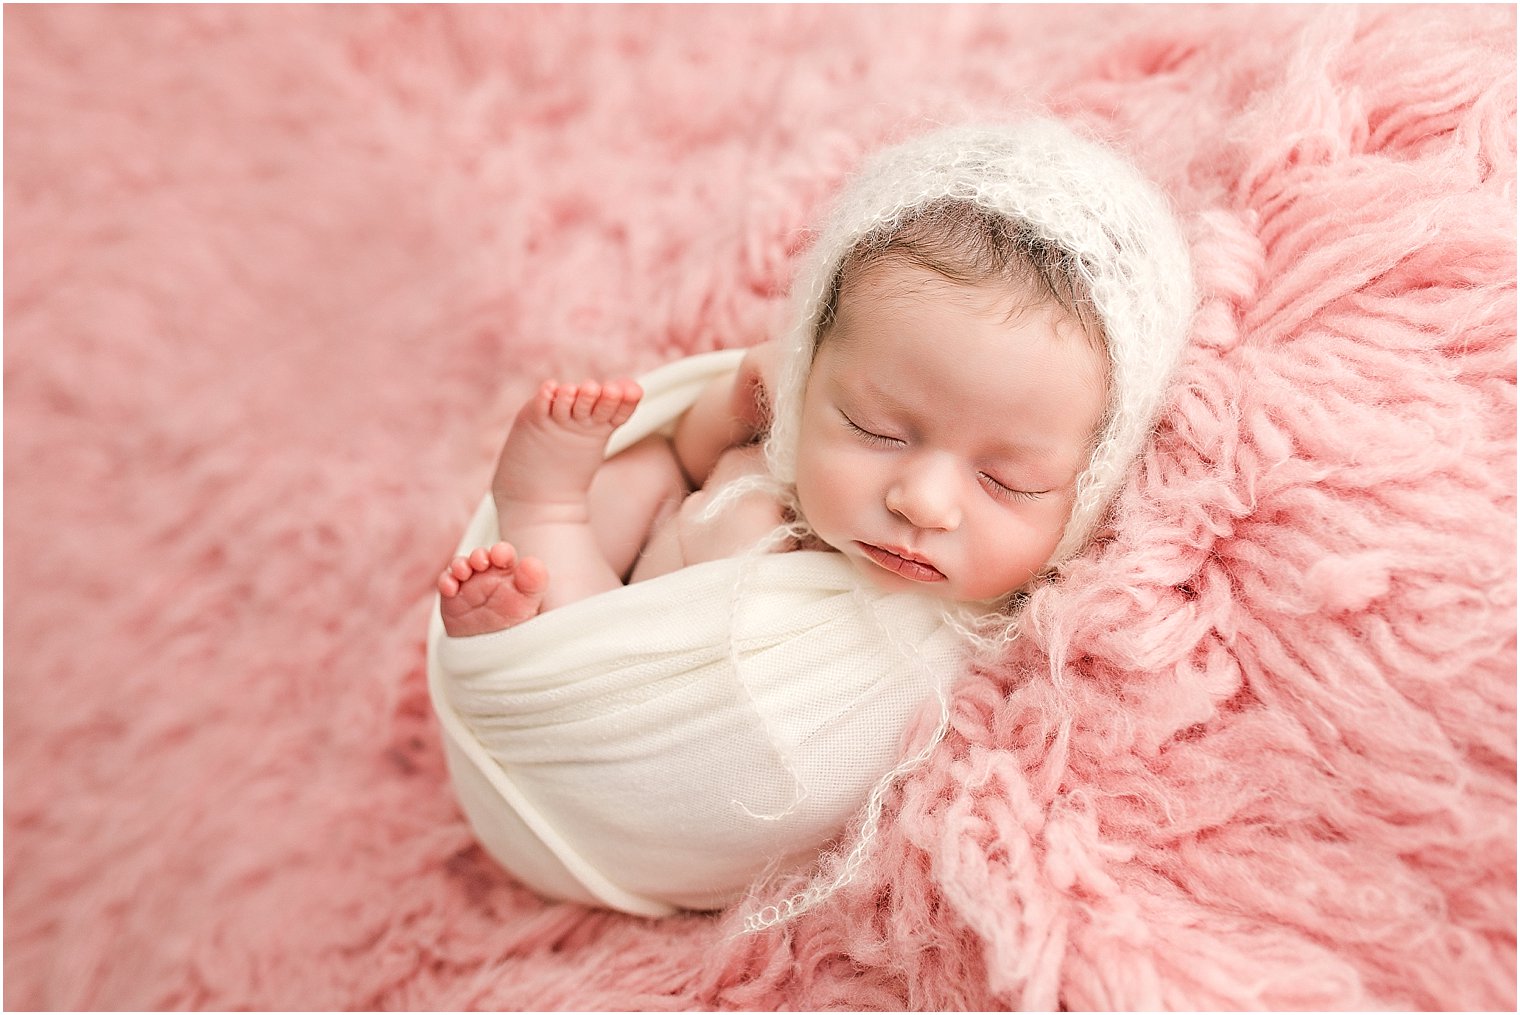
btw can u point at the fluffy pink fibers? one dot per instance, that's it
(276, 278)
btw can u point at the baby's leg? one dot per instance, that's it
(544, 477)
(490, 590)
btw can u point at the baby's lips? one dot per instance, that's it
(906, 567)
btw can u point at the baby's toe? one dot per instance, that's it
(502, 555)
(628, 396)
(562, 402)
(587, 395)
(532, 577)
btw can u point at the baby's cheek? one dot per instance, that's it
(816, 497)
(1031, 545)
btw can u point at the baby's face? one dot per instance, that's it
(943, 432)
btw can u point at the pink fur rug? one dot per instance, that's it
(276, 279)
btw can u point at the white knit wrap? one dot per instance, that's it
(1068, 191)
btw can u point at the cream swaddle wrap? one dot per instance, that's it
(657, 746)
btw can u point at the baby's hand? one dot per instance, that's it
(730, 412)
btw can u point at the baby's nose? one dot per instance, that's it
(924, 496)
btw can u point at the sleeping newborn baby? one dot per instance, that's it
(783, 558)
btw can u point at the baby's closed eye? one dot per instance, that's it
(1002, 490)
(870, 436)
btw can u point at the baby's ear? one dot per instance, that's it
(755, 384)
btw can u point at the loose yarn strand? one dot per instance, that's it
(795, 905)
(727, 496)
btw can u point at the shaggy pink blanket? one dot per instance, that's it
(276, 279)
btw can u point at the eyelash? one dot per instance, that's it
(869, 437)
(993, 486)
(1007, 492)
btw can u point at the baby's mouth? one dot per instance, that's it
(902, 563)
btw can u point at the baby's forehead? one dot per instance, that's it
(894, 281)
(899, 310)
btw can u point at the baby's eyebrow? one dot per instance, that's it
(871, 390)
(1014, 448)
(1049, 459)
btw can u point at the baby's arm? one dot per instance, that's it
(732, 411)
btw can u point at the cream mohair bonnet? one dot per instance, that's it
(1069, 191)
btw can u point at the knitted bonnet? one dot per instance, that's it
(1067, 191)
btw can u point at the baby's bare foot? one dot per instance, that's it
(490, 590)
(557, 442)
